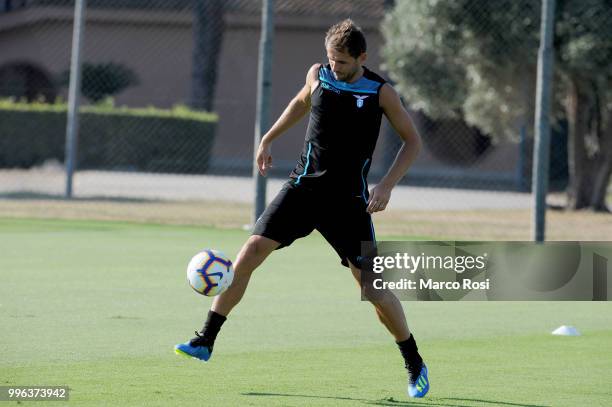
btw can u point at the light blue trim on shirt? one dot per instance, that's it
(306, 166)
(363, 194)
(363, 85)
(373, 234)
(363, 181)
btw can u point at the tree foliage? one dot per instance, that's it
(459, 58)
(99, 81)
(477, 59)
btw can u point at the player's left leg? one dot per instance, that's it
(345, 224)
(391, 314)
(388, 308)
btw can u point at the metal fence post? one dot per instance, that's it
(264, 84)
(74, 93)
(542, 125)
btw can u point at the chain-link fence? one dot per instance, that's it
(152, 69)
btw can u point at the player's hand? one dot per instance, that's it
(379, 198)
(264, 158)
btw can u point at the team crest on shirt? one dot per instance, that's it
(360, 100)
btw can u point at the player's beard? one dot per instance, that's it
(349, 76)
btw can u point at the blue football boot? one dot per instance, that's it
(197, 348)
(418, 383)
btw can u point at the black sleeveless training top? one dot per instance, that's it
(342, 132)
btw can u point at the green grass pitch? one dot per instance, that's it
(98, 306)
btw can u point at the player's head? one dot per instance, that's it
(345, 45)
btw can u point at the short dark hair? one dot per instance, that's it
(346, 36)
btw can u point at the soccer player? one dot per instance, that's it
(327, 190)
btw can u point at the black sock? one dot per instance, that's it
(410, 352)
(209, 332)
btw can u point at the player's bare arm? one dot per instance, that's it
(293, 113)
(400, 120)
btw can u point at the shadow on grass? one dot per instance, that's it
(53, 197)
(498, 403)
(382, 402)
(440, 402)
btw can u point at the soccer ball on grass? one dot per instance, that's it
(210, 272)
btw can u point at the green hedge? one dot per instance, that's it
(152, 140)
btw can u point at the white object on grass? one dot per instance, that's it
(566, 330)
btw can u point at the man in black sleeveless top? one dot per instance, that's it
(328, 188)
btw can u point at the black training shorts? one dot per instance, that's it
(340, 217)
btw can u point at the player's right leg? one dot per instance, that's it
(252, 254)
(286, 218)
